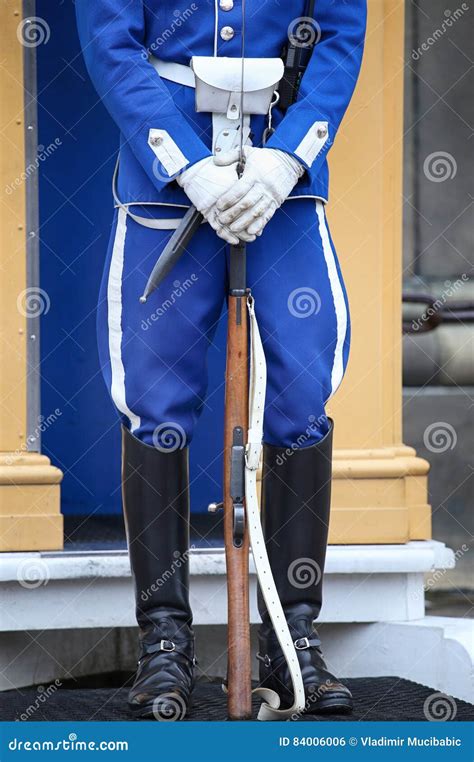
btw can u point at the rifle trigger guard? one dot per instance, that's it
(237, 485)
(238, 528)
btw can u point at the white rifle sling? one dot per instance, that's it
(269, 710)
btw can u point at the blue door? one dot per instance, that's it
(75, 214)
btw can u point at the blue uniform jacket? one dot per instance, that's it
(117, 37)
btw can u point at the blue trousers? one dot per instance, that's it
(153, 356)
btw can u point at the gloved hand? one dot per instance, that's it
(204, 183)
(268, 178)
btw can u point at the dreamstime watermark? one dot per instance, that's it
(33, 32)
(440, 437)
(303, 439)
(450, 18)
(179, 289)
(303, 573)
(440, 166)
(439, 707)
(437, 574)
(169, 707)
(303, 302)
(33, 302)
(180, 559)
(169, 436)
(71, 743)
(44, 422)
(449, 290)
(160, 172)
(304, 32)
(32, 573)
(311, 699)
(180, 18)
(41, 156)
(43, 694)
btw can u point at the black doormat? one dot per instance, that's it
(378, 698)
(106, 533)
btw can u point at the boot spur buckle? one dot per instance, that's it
(167, 645)
(301, 644)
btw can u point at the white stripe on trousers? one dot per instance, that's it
(338, 297)
(114, 316)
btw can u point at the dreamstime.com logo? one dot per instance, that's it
(169, 436)
(43, 693)
(33, 31)
(304, 32)
(43, 153)
(180, 18)
(439, 707)
(169, 707)
(304, 302)
(179, 289)
(450, 18)
(440, 166)
(313, 426)
(71, 743)
(303, 573)
(179, 560)
(33, 573)
(449, 290)
(439, 437)
(435, 577)
(33, 302)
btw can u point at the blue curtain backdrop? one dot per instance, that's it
(75, 216)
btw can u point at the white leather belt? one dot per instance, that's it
(269, 710)
(174, 72)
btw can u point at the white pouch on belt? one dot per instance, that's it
(219, 84)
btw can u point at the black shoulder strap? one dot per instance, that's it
(309, 11)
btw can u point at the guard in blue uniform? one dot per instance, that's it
(170, 74)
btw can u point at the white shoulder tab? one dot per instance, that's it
(167, 151)
(312, 143)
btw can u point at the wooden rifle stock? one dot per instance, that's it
(235, 524)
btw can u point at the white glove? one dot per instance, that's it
(204, 183)
(268, 178)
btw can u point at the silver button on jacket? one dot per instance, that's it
(227, 33)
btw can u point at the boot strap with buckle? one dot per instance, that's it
(162, 645)
(301, 644)
(165, 645)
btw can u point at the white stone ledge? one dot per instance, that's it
(56, 591)
(434, 651)
(420, 556)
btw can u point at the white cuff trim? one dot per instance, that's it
(313, 142)
(166, 151)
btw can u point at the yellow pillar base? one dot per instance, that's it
(30, 517)
(379, 496)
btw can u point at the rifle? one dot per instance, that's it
(236, 537)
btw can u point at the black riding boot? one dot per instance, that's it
(156, 509)
(296, 494)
